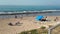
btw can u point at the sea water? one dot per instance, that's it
(6, 9)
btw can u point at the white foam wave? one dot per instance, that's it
(28, 11)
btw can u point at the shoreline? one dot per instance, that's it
(28, 12)
(25, 12)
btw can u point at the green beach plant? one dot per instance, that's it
(24, 32)
(36, 31)
(43, 27)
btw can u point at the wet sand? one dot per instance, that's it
(28, 23)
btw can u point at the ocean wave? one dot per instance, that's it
(43, 11)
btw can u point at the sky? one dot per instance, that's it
(30, 2)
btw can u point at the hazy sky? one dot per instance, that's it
(29, 2)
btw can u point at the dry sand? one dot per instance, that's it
(28, 24)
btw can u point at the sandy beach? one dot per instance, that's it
(28, 23)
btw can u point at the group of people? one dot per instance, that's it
(16, 24)
(45, 19)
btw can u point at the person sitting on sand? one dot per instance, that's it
(56, 19)
(44, 19)
(17, 23)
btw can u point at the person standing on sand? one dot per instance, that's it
(15, 16)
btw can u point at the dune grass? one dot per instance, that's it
(36, 31)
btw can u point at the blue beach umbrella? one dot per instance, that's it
(39, 17)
